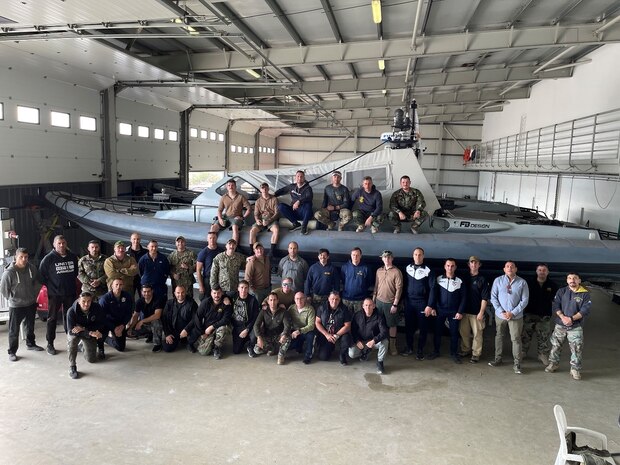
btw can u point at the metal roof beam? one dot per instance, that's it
(483, 41)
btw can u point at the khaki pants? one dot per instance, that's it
(471, 326)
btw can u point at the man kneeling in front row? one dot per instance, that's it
(85, 323)
(369, 331)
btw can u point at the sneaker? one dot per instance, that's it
(407, 352)
(474, 359)
(419, 356)
(551, 368)
(414, 230)
(304, 230)
(157, 348)
(457, 359)
(517, 369)
(396, 229)
(217, 353)
(307, 360)
(433, 356)
(464, 354)
(149, 338)
(360, 228)
(364, 355)
(495, 363)
(12, 358)
(543, 359)
(191, 348)
(36, 348)
(380, 368)
(280, 360)
(73, 373)
(343, 360)
(374, 230)
(575, 374)
(251, 352)
(295, 226)
(51, 350)
(101, 354)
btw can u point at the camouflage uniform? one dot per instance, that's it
(185, 275)
(539, 326)
(407, 203)
(575, 343)
(338, 197)
(354, 306)
(225, 271)
(90, 268)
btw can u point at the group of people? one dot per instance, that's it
(364, 207)
(317, 310)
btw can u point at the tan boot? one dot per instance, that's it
(393, 348)
(280, 359)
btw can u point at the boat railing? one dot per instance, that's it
(132, 206)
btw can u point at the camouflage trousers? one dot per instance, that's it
(271, 345)
(415, 223)
(326, 217)
(539, 326)
(318, 300)
(353, 305)
(360, 217)
(575, 342)
(204, 344)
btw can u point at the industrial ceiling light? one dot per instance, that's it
(381, 64)
(252, 73)
(376, 11)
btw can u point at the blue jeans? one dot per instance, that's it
(303, 213)
(299, 341)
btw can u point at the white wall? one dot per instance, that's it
(205, 154)
(41, 153)
(593, 88)
(146, 158)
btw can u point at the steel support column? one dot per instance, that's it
(109, 178)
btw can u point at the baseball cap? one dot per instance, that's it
(257, 245)
(179, 238)
(119, 244)
(337, 173)
(386, 253)
(473, 258)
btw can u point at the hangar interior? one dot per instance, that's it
(108, 98)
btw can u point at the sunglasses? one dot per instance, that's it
(509, 289)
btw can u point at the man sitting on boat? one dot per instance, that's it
(367, 205)
(301, 203)
(407, 204)
(230, 211)
(266, 217)
(336, 200)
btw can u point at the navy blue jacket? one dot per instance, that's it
(356, 280)
(304, 193)
(93, 320)
(420, 284)
(369, 203)
(321, 280)
(450, 295)
(116, 311)
(154, 272)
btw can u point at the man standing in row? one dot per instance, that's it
(294, 266)
(509, 296)
(323, 278)
(335, 207)
(357, 279)
(20, 285)
(136, 251)
(204, 263)
(182, 266)
(258, 272)
(388, 289)
(537, 318)
(420, 289)
(91, 272)
(121, 266)
(472, 324)
(571, 305)
(225, 268)
(155, 269)
(301, 203)
(233, 209)
(59, 270)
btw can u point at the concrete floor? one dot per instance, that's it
(138, 407)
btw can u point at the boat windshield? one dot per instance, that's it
(250, 191)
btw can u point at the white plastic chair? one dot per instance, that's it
(563, 455)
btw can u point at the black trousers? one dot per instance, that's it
(324, 349)
(16, 316)
(57, 304)
(239, 342)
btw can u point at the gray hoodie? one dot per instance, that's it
(20, 286)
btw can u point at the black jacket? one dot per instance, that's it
(93, 320)
(208, 313)
(176, 316)
(363, 328)
(59, 273)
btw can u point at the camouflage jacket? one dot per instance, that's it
(183, 276)
(89, 269)
(225, 271)
(407, 202)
